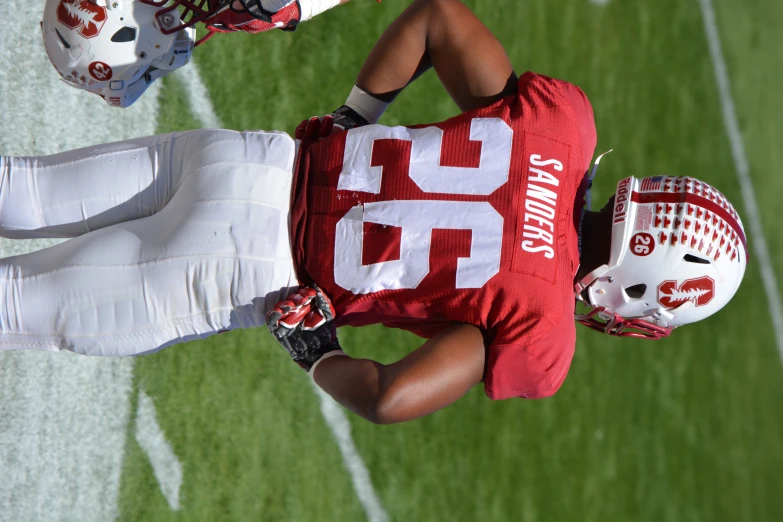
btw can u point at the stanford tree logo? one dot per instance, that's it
(700, 291)
(83, 15)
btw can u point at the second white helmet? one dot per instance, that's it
(113, 48)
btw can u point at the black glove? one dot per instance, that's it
(304, 325)
(316, 127)
(348, 118)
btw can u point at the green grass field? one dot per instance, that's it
(687, 429)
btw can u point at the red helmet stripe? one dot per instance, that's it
(693, 199)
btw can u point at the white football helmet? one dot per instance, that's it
(113, 48)
(678, 254)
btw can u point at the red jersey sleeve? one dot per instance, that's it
(584, 119)
(540, 89)
(531, 371)
(424, 329)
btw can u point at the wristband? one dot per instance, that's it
(274, 6)
(325, 356)
(368, 106)
(311, 8)
(348, 118)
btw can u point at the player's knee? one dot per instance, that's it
(441, 7)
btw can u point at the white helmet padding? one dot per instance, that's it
(113, 48)
(678, 255)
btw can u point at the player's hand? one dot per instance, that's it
(315, 128)
(304, 325)
(340, 120)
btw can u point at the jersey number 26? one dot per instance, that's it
(418, 218)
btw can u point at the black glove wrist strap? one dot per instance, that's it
(348, 118)
(308, 359)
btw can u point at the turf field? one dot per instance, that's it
(686, 429)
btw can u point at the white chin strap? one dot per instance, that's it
(588, 279)
(588, 195)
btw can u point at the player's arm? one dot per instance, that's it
(428, 379)
(441, 34)
(258, 16)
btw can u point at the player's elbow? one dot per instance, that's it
(403, 404)
(380, 419)
(396, 404)
(386, 410)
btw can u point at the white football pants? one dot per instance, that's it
(175, 237)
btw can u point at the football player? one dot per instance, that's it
(118, 48)
(470, 233)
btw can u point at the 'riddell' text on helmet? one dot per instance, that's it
(678, 255)
(113, 48)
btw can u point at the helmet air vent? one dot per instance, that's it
(693, 259)
(636, 291)
(126, 34)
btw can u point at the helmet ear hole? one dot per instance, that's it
(693, 259)
(636, 291)
(125, 34)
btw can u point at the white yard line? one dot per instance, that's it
(198, 97)
(362, 482)
(757, 238)
(63, 418)
(201, 107)
(165, 464)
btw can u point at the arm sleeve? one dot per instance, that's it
(584, 119)
(425, 330)
(531, 371)
(540, 90)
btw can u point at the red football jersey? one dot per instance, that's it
(471, 220)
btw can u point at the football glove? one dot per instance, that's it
(348, 118)
(255, 19)
(304, 325)
(344, 118)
